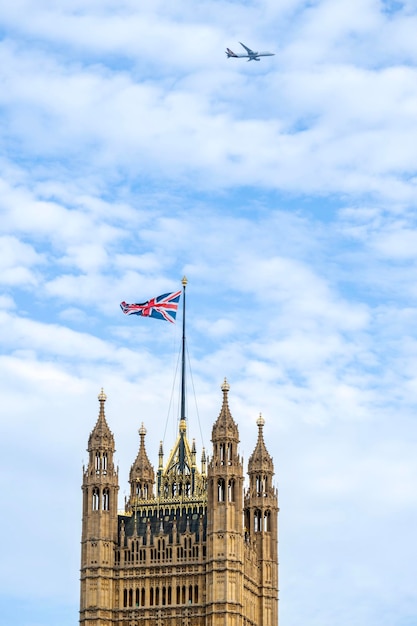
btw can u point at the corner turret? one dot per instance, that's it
(142, 475)
(99, 524)
(261, 521)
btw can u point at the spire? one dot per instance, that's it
(101, 436)
(180, 476)
(260, 459)
(161, 456)
(193, 454)
(225, 427)
(142, 475)
(142, 468)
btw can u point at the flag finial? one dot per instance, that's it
(184, 281)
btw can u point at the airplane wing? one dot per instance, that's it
(248, 50)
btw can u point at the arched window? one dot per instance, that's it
(229, 453)
(104, 463)
(220, 490)
(106, 500)
(97, 463)
(222, 453)
(96, 499)
(231, 490)
(267, 521)
(257, 521)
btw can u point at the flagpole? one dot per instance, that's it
(184, 284)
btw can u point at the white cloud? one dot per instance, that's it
(134, 152)
(18, 262)
(351, 113)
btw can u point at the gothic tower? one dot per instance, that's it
(191, 548)
(261, 520)
(99, 525)
(225, 523)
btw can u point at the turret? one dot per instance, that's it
(225, 471)
(225, 570)
(100, 480)
(261, 467)
(99, 523)
(261, 521)
(142, 475)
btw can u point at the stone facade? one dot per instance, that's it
(193, 547)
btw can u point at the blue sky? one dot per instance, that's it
(133, 152)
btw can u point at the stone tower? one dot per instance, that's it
(261, 521)
(99, 526)
(225, 568)
(192, 547)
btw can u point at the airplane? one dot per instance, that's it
(250, 56)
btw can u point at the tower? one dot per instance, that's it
(261, 521)
(192, 547)
(99, 525)
(225, 571)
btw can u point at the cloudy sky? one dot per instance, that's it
(133, 152)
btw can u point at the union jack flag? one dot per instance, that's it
(162, 307)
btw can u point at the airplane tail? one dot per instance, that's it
(230, 53)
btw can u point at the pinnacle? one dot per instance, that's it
(101, 435)
(260, 458)
(225, 426)
(142, 467)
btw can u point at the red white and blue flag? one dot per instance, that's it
(162, 307)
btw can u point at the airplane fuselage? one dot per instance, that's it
(250, 55)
